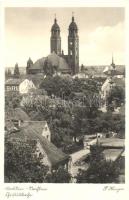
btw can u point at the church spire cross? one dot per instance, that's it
(55, 18)
(72, 16)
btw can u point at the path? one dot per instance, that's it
(76, 157)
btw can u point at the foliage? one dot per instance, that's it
(116, 97)
(57, 86)
(12, 100)
(16, 71)
(100, 170)
(60, 175)
(49, 69)
(71, 108)
(8, 73)
(21, 162)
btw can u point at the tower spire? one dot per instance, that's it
(55, 37)
(112, 59)
(72, 16)
(55, 20)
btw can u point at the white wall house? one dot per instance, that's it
(25, 86)
(19, 85)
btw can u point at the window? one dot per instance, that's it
(71, 52)
(8, 88)
(45, 128)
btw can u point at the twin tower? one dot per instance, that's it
(73, 45)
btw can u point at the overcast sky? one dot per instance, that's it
(101, 33)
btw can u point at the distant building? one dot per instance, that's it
(112, 70)
(114, 78)
(12, 85)
(112, 148)
(66, 64)
(21, 86)
(81, 75)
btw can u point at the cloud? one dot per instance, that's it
(28, 35)
(102, 42)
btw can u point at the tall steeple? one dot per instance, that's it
(55, 39)
(113, 64)
(73, 46)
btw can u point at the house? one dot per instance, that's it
(12, 85)
(19, 126)
(21, 86)
(113, 143)
(81, 75)
(14, 117)
(39, 131)
(25, 86)
(112, 148)
(112, 154)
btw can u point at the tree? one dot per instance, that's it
(21, 162)
(82, 68)
(100, 170)
(48, 68)
(16, 71)
(116, 97)
(8, 73)
(57, 86)
(12, 100)
(61, 175)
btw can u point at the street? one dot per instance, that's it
(76, 157)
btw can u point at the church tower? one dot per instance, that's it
(73, 47)
(55, 39)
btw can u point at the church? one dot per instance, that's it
(65, 64)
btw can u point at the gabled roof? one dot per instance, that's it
(16, 114)
(112, 154)
(112, 142)
(13, 81)
(33, 131)
(38, 126)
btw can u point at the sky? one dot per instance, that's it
(101, 33)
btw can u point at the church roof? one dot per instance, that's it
(73, 25)
(38, 64)
(111, 71)
(56, 60)
(55, 26)
(53, 59)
